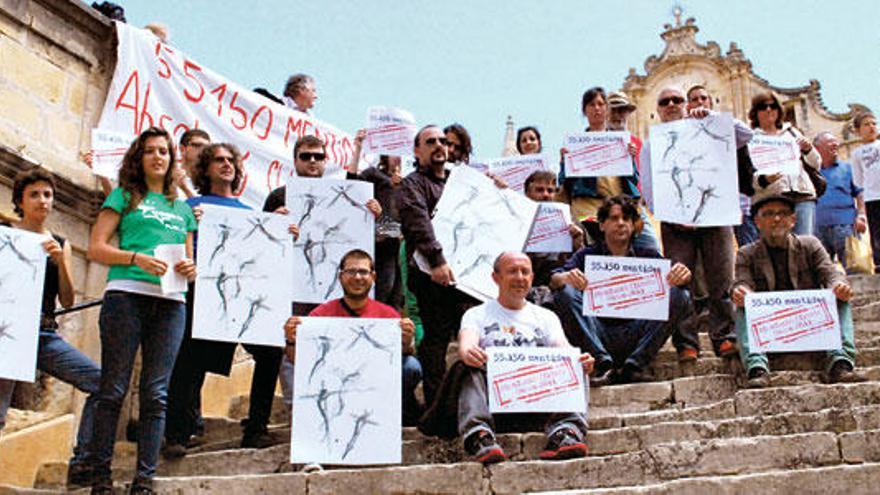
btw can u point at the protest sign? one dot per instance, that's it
(514, 170)
(156, 84)
(244, 281)
(792, 321)
(22, 271)
(535, 379)
(775, 155)
(694, 172)
(597, 154)
(347, 391)
(171, 282)
(390, 131)
(623, 287)
(333, 219)
(108, 148)
(550, 232)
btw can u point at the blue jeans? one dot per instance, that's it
(129, 321)
(412, 375)
(833, 239)
(64, 362)
(806, 218)
(647, 238)
(632, 342)
(847, 352)
(746, 232)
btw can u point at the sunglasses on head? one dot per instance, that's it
(768, 105)
(675, 100)
(435, 140)
(312, 155)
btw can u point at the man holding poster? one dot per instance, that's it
(623, 348)
(511, 321)
(782, 261)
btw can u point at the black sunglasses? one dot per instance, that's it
(767, 105)
(675, 100)
(312, 155)
(435, 140)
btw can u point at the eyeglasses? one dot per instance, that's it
(675, 100)
(434, 140)
(356, 272)
(776, 213)
(223, 159)
(307, 156)
(767, 105)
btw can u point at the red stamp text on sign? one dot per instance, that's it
(548, 226)
(596, 156)
(771, 156)
(791, 324)
(624, 291)
(535, 382)
(391, 136)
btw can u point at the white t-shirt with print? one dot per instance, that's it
(531, 326)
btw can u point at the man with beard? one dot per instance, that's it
(356, 276)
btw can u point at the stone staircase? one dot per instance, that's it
(695, 431)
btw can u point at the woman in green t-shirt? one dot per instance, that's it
(145, 212)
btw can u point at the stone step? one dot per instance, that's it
(858, 479)
(654, 464)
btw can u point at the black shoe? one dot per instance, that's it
(564, 444)
(79, 475)
(257, 440)
(842, 372)
(141, 487)
(603, 375)
(173, 450)
(758, 378)
(631, 374)
(103, 486)
(483, 448)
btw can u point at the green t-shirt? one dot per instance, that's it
(155, 221)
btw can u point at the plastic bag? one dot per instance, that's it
(858, 255)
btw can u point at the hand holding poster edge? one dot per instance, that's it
(597, 154)
(536, 380)
(627, 287)
(792, 321)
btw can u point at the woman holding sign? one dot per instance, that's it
(765, 116)
(145, 213)
(33, 197)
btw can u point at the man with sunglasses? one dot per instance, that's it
(440, 305)
(684, 243)
(357, 276)
(781, 261)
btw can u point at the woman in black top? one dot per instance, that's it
(33, 198)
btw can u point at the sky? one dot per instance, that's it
(476, 62)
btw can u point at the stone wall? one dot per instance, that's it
(57, 58)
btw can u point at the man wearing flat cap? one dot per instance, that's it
(780, 261)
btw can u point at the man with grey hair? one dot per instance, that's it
(511, 321)
(300, 93)
(836, 217)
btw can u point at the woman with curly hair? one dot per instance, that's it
(145, 213)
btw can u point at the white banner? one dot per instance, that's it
(622, 287)
(775, 155)
(550, 232)
(792, 321)
(155, 84)
(535, 379)
(513, 170)
(598, 154)
(108, 149)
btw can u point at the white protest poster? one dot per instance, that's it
(775, 155)
(390, 131)
(475, 221)
(108, 148)
(243, 259)
(624, 287)
(598, 154)
(333, 219)
(550, 232)
(866, 169)
(347, 391)
(535, 380)
(171, 281)
(514, 170)
(157, 84)
(792, 321)
(22, 270)
(693, 169)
